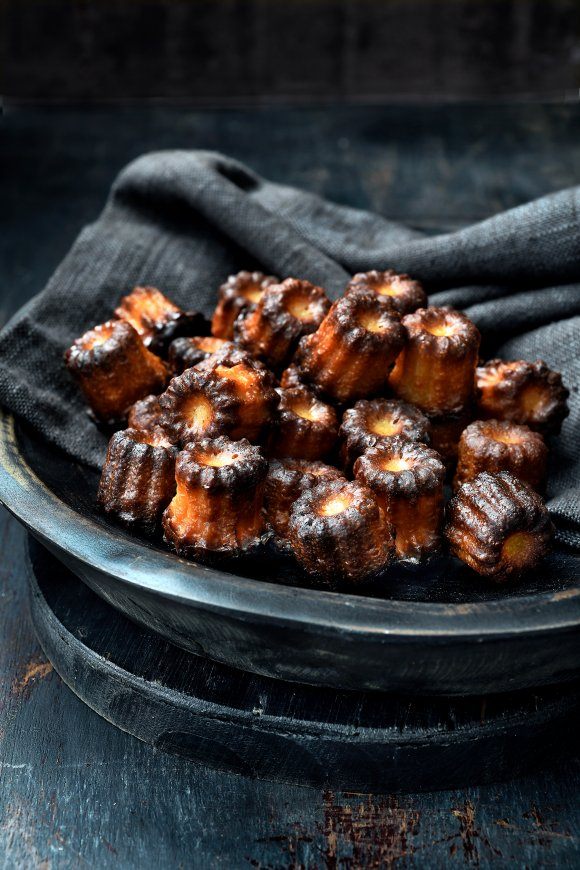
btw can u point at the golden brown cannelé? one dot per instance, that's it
(497, 445)
(524, 392)
(436, 369)
(138, 479)
(370, 422)
(353, 351)
(498, 525)
(227, 393)
(407, 481)
(338, 532)
(156, 319)
(238, 295)
(218, 506)
(287, 479)
(284, 313)
(305, 427)
(187, 352)
(114, 369)
(405, 293)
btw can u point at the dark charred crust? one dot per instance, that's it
(287, 479)
(529, 393)
(114, 369)
(371, 422)
(138, 479)
(486, 514)
(285, 312)
(350, 544)
(407, 481)
(236, 392)
(305, 427)
(404, 292)
(158, 320)
(235, 298)
(187, 352)
(218, 507)
(351, 354)
(437, 367)
(494, 446)
(425, 474)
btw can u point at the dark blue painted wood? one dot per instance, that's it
(74, 791)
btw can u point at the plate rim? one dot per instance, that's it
(162, 573)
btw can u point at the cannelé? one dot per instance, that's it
(405, 293)
(138, 478)
(529, 393)
(237, 295)
(353, 351)
(305, 427)
(498, 445)
(436, 368)
(114, 369)
(407, 481)
(338, 532)
(285, 313)
(498, 525)
(157, 319)
(218, 507)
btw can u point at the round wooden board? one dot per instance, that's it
(261, 727)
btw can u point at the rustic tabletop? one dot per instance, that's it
(74, 790)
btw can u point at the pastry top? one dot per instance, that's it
(499, 438)
(186, 352)
(333, 507)
(301, 408)
(405, 293)
(366, 322)
(400, 468)
(291, 309)
(156, 318)
(442, 330)
(105, 344)
(219, 464)
(372, 421)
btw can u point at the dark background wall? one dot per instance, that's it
(227, 51)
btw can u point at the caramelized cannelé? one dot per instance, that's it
(287, 479)
(227, 393)
(497, 445)
(305, 427)
(524, 392)
(284, 313)
(406, 294)
(373, 421)
(351, 355)
(138, 478)
(240, 293)
(158, 320)
(187, 352)
(114, 369)
(407, 481)
(498, 525)
(218, 507)
(337, 531)
(436, 370)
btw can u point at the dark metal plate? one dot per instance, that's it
(426, 631)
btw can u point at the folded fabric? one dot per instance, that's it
(184, 220)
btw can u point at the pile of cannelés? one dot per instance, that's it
(329, 427)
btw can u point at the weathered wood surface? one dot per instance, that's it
(233, 50)
(74, 791)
